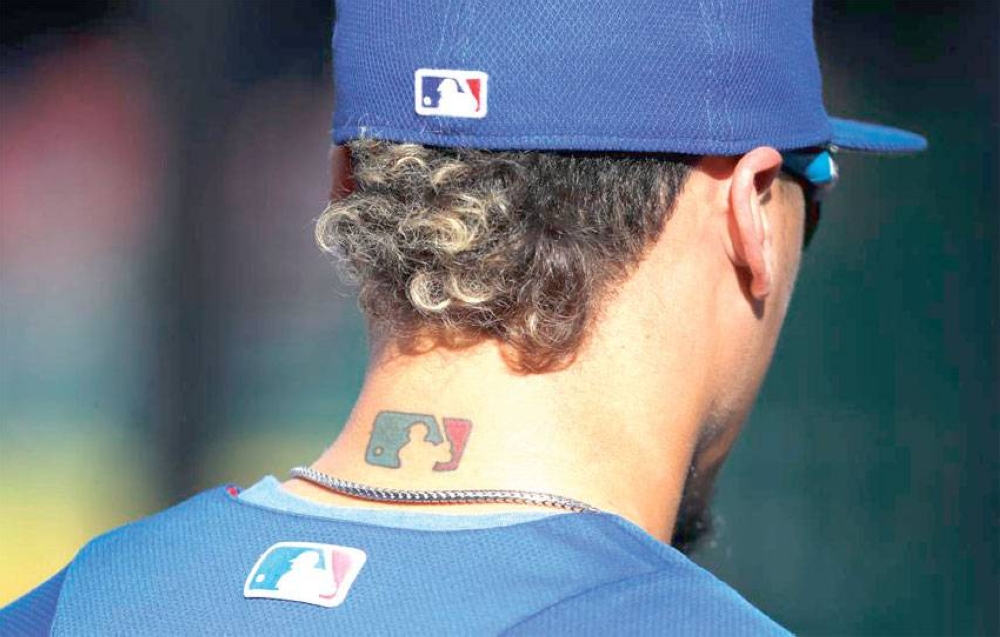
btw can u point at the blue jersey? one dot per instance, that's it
(219, 564)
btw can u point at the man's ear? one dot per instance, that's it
(749, 230)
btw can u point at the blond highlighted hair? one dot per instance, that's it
(521, 247)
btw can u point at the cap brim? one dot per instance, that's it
(874, 138)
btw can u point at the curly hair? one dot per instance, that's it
(517, 246)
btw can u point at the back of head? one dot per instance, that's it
(510, 214)
(453, 246)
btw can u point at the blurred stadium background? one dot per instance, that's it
(166, 323)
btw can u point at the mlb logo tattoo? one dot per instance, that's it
(416, 441)
(319, 574)
(450, 93)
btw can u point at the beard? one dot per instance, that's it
(695, 523)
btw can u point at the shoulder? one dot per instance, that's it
(208, 525)
(189, 520)
(158, 567)
(677, 600)
(33, 613)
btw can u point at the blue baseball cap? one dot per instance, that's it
(706, 77)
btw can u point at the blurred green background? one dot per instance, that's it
(166, 323)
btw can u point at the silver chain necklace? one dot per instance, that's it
(461, 496)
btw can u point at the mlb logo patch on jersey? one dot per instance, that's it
(447, 93)
(319, 574)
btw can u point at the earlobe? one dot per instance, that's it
(749, 229)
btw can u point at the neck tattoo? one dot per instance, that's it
(417, 442)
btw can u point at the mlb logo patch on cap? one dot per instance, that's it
(320, 574)
(447, 93)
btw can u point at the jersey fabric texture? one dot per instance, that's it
(183, 572)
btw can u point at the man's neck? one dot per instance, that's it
(621, 442)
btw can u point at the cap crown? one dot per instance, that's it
(688, 76)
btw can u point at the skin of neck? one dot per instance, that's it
(619, 427)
